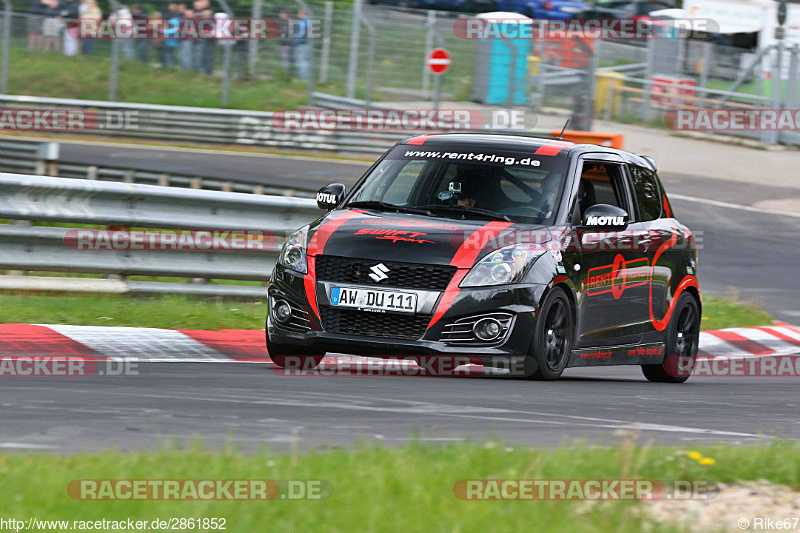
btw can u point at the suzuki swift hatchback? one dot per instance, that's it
(494, 247)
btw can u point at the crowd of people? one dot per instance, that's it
(47, 31)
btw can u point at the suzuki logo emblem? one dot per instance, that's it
(379, 272)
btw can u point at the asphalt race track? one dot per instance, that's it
(247, 403)
(250, 405)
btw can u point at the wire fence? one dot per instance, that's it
(377, 53)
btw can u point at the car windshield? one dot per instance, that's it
(466, 182)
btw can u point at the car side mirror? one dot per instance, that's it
(605, 217)
(330, 196)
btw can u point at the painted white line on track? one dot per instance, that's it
(717, 203)
(24, 446)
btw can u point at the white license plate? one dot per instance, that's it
(374, 300)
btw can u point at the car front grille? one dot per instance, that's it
(400, 275)
(364, 323)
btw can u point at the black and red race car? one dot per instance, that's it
(496, 247)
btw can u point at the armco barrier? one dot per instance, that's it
(31, 157)
(43, 248)
(207, 125)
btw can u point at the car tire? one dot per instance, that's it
(280, 354)
(552, 338)
(680, 344)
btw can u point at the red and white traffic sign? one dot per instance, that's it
(439, 61)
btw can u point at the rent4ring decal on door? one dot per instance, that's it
(617, 277)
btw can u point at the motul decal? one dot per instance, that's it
(617, 277)
(395, 235)
(604, 221)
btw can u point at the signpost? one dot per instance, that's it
(438, 62)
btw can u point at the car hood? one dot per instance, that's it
(409, 238)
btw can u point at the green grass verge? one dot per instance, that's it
(184, 312)
(379, 489)
(720, 314)
(165, 311)
(86, 77)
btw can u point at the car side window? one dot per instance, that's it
(601, 183)
(647, 193)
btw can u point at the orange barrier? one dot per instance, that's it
(603, 139)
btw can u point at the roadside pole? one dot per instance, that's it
(438, 62)
(354, 36)
(226, 75)
(430, 26)
(777, 70)
(6, 46)
(252, 44)
(113, 78)
(326, 42)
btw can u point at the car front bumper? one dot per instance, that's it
(520, 301)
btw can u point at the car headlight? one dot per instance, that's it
(293, 253)
(506, 265)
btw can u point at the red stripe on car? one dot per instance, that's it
(315, 246)
(420, 139)
(464, 259)
(552, 148)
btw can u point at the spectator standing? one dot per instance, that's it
(70, 10)
(121, 18)
(185, 46)
(300, 45)
(171, 27)
(140, 19)
(208, 47)
(285, 41)
(35, 19)
(155, 27)
(89, 11)
(52, 25)
(201, 11)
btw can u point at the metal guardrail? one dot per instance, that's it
(27, 157)
(207, 125)
(44, 248)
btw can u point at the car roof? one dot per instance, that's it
(517, 142)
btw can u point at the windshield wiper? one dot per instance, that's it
(463, 209)
(377, 204)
